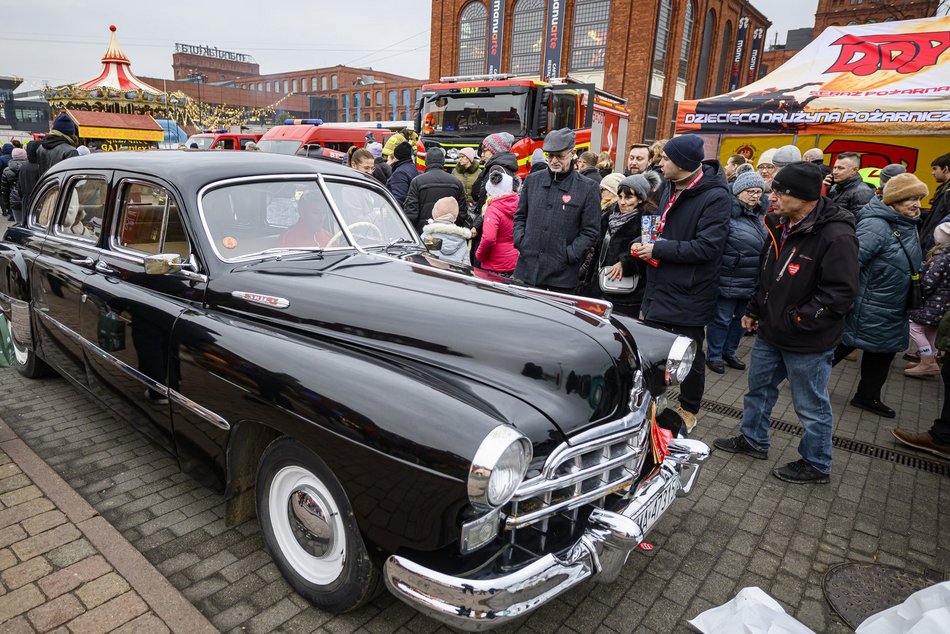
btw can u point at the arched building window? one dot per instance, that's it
(589, 40)
(705, 52)
(658, 70)
(685, 48)
(724, 49)
(473, 26)
(527, 37)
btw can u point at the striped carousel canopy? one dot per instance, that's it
(117, 72)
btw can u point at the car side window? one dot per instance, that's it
(45, 207)
(224, 144)
(85, 207)
(150, 222)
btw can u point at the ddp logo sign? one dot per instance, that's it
(904, 53)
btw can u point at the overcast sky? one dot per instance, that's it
(61, 41)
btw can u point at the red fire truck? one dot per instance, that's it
(460, 112)
(221, 140)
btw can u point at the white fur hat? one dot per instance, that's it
(499, 182)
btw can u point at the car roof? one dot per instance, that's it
(191, 169)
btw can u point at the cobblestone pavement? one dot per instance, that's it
(741, 527)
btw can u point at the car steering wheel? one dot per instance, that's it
(356, 225)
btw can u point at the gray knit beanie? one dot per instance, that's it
(747, 180)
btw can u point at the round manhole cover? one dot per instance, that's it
(857, 590)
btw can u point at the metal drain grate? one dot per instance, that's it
(845, 444)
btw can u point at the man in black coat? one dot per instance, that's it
(808, 280)
(587, 166)
(59, 144)
(846, 188)
(26, 181)
(683, 279)
(429, 187)
(558, 219)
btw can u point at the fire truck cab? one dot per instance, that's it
(221, 140)
(460, 112)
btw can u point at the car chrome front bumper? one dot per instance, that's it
(600, 552)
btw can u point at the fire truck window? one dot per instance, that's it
(224, 144)
(475, 115)
(563, 111)
(244, 143)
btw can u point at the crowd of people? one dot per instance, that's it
(810, 258)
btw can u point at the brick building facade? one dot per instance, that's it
(336, 93)
(848, 12)
(651, 53)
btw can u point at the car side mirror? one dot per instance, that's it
(163, 263)
(432, 243)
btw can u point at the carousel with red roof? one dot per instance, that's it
(115, 109)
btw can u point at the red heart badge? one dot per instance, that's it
(566, 198)
(793, 269)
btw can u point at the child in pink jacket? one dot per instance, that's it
(497, 252)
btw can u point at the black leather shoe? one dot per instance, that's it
(716, 366)
(873, 405)
(734, 363)
(739, 444)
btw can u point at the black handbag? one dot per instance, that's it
(915, 294)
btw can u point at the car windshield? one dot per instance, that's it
(474, 114)
(203, 142)
(279, 146)
(247, 219)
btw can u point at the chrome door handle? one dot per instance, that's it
(102, 267)
(87, 262)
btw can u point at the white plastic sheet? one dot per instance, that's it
(926, 611)
(752, 611)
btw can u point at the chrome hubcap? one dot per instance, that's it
(309, 521)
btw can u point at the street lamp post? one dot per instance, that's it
(198, 78)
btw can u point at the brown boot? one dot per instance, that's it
(926, 368)
(923, 441)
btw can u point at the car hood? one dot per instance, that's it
(570, 366)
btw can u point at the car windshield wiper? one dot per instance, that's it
(280, 251)
(403, 242)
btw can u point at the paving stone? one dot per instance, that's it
(43, 522)
(145, 624)
(20, 601)
(73, 576)
(25, 573)
(100, 590)
(45, 542)
(55, 613)
(109, 615)
(70, 553)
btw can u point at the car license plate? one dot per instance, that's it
(647, 517)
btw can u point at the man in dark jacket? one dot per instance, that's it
(404, 171)
(429, 187)
(817, 156)
(10, 198)
(59, 144)
(846, 188)
(683, 279)
(26, 181)
(558, 219)
(807, 283)
(587, 166)
(939, 204)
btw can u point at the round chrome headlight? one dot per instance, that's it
(680, 360)
(498, 467)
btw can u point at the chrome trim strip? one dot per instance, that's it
(536, 486)
(198, 410)
(44, 316)
(122, 366)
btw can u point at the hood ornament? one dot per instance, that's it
(263, 300)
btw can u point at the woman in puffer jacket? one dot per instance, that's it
(889, 253)
(738, 273)
(496, 251)
(936, 291)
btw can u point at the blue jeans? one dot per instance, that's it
(807, 375)
(724, 332)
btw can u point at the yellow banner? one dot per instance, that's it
(915, 153)
(120, 134)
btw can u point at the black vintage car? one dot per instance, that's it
(477, 446)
